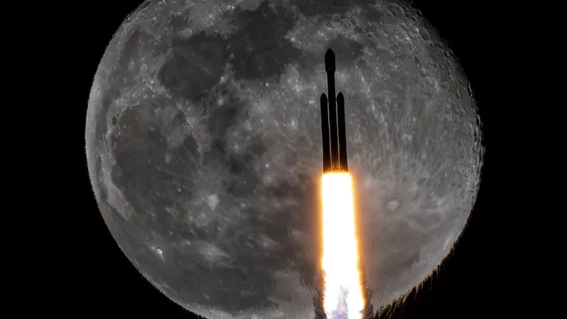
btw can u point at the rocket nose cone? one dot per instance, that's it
(330, 61)
(324, 98)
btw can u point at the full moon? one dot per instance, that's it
(203, 142)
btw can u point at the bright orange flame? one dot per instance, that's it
(342, 283)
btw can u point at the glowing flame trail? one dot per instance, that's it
(342, 283)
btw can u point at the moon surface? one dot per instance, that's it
(203, 142)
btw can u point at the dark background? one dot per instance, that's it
(472, 283)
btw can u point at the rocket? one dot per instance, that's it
(333, 122)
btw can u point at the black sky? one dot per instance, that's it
(102, 282)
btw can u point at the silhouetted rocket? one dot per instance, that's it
(333, 122)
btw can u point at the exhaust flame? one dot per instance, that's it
(343, 296)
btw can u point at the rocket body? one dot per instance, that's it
(343, 296)
(333, 122)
